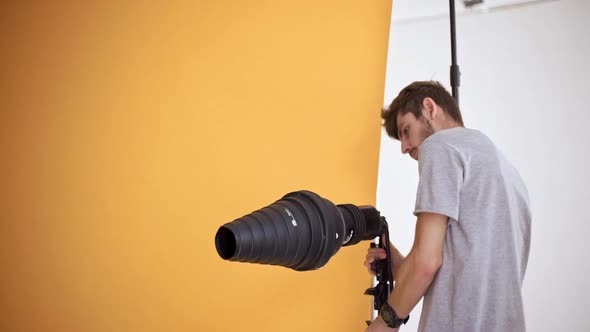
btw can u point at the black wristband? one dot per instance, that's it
(390, 317)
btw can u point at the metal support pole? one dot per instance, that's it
(455, 72)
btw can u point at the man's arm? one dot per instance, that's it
(418, 269)
(397, 260)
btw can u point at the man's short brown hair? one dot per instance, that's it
(410, 100)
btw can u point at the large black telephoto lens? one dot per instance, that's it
(300, 231)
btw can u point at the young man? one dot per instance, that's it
(473, 225)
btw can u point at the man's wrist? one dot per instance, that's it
(390, 317)
(391, 329)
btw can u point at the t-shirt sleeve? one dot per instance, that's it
(441, 178)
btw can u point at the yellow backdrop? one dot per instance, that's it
(131, 131)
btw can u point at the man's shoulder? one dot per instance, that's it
(459, 138)
(455, 133)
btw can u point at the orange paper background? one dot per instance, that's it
(130, 131)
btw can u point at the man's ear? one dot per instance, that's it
(429, 108)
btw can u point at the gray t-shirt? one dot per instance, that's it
(478, 287)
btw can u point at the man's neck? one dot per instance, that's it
(447, 125)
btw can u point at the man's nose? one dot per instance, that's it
(405, 147)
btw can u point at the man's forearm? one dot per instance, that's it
(396, 261)
(413, 277)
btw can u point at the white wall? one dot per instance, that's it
(524, 83)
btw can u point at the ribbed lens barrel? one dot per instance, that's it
(301, 231)
(354, 223)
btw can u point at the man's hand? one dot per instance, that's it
(374, 254)
(378, 325)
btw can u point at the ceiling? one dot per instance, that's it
(404, 10)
